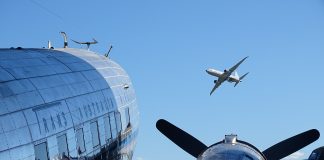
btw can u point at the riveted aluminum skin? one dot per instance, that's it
(48, 97)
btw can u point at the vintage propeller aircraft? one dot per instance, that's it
(233, 149)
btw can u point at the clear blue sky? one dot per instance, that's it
(165, 46)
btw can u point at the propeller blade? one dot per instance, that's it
(291, 145)
(181, 138)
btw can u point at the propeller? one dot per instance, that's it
(181, 138)
(194, 147)
(291, 145)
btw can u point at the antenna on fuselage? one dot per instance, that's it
(49, 44)
(87, 43)
(65, 39)
(107, 54)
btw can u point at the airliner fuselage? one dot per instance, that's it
(222, 76)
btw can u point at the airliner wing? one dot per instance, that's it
(237, 65)
(217, 84)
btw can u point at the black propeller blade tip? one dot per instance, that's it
(291, 145)
(181, 138)
(159, 123)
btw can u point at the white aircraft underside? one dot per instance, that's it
(227, 75)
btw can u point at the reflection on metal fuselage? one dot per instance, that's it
(65, 104)
(231, 149)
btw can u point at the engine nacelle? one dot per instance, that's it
(215, 81)
(231, 148)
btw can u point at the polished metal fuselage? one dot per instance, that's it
(65, 103)
(238, 151)
(231, 149)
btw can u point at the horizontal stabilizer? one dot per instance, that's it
(240, 78)
(244, 75)
(236, 84)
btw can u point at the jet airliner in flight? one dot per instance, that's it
(226, 75)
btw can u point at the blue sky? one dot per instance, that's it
(165, 46)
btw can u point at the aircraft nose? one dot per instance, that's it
(208, 70)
